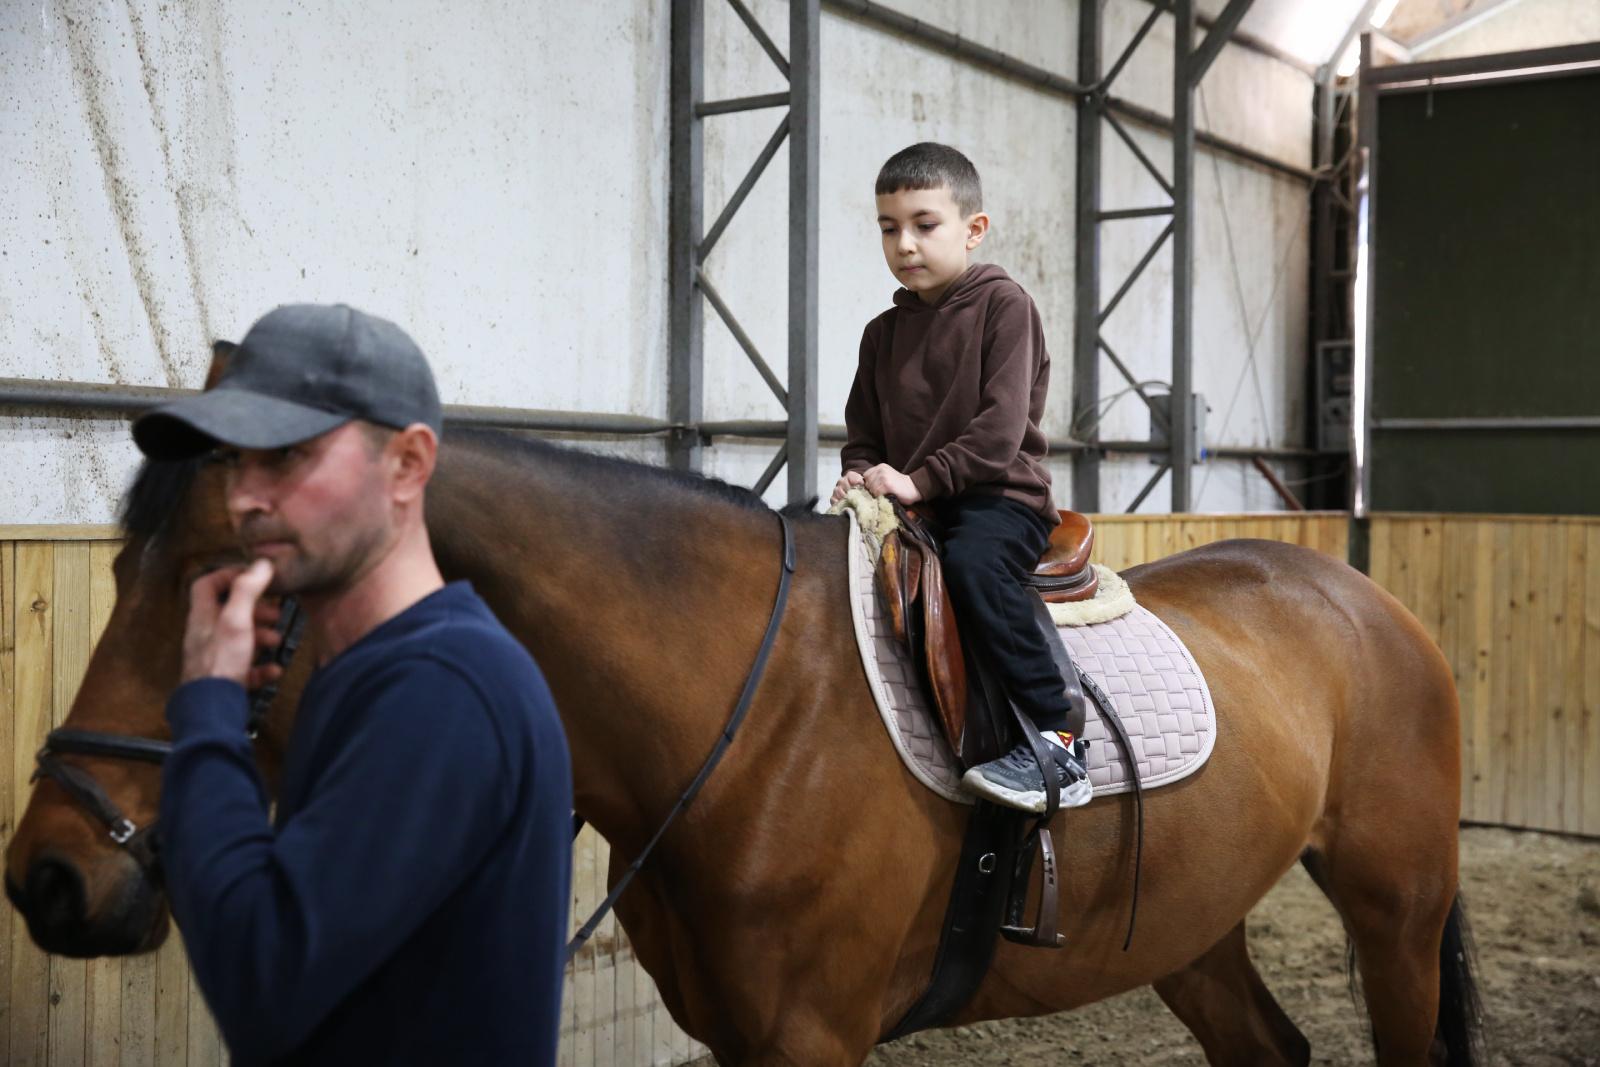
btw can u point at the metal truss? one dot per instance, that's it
(1097, 109)
(689, 244)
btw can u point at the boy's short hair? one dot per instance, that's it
(930, 165)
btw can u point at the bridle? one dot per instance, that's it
(141, 842)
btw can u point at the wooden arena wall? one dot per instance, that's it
(1123, 541)
(1512, 601)
(56, 593)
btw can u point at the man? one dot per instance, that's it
(408, 902)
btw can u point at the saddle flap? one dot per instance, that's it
(922, 617)
(947, 668)
(900, 571)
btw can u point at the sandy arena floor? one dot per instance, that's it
(1534, 904)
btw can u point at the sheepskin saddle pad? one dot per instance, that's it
(1160, 695)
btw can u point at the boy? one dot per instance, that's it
(945, 412)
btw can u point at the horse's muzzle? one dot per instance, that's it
(54, 900)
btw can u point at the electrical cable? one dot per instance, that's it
(1102, 408)
(1252, 337)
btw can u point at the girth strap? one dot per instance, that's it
(977, 907)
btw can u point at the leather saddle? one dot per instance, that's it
(972, 707)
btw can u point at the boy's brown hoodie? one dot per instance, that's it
(951, 393)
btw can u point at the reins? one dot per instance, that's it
(142, 842)
(717, 751)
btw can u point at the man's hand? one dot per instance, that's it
(884, 479)
(227, 623)
(847, 481)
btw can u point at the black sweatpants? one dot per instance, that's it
(991, 543)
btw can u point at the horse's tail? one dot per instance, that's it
(1459, 1027)
(1460, 1009)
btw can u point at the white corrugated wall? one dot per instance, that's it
(493, 177)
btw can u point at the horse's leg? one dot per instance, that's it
(1224, 1002)
(1384, 851)
(1394, 901)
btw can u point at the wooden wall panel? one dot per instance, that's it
(1123, 541)
(1514, 602)
(55, 598)
(56, 595)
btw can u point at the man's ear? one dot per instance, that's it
(221, 353)
(417, 448)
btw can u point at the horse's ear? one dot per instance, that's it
(221, 353)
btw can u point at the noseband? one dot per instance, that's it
(80, 785)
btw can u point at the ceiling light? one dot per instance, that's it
(1384, 10)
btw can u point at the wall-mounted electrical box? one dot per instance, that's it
(1160, 406)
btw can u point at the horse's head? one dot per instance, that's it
(83, 893)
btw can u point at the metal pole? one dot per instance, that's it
(1181, 438)
(805, 97)
(1322, 282)
(1086, 285)
(1363, 290)
(685, 210)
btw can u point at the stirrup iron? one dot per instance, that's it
(1042, 934)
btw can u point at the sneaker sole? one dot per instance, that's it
(1075, 795)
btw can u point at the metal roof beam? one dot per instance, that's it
(1201, 59)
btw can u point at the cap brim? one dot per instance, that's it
(196, 424)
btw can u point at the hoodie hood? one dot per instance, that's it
(968, 286)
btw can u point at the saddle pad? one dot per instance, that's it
(1160, 695)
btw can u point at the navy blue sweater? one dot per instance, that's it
(409, 904)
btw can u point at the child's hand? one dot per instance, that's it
(847, 481)
(884, 479)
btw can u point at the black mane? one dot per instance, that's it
(626, 476)
(159, 487)
(154, 496)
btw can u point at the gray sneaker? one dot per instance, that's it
(1014, 779)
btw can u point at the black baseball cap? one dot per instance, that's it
(302, 370)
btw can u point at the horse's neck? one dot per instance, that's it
(638, 618)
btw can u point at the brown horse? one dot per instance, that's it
(792, 915)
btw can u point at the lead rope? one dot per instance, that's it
(291, 624)
(726, 739)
